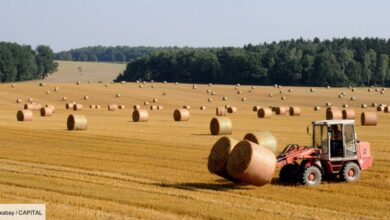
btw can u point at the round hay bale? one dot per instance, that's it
(317, 108)
(328, 104)
(153, 86)
(232, 109)
(209, 99)
(387, 109)
(368, 119)
(33, 106)
(327, 87)
(220, 111)
(264, 113)
(208, 91)
(220, 126)
(382, 92)
(86, 97)
(227, 106)
(160, 107)
(64, 98)
(176, 83)
(345, 105)
(312, 90)
(30, 100)
(106, 85)
(69, 105)
(290, 90)
(333, 114)
(369, 90)
(52, 107)
(48, 92)
(239, 92)
(181, 115)
(364, 105)
(283, 98)
(295, 111)
(78, 83)
(24, 115)
(253, 87)
(13, 85)
(140, 86)
(92, 106)
(153, 107)
(374, 104)
(276, 85)
(281, 91)
(281, 110)
(164, 93)
(213, 93)
(56, 89)
(46, 111)
(251, 163)
(118, 95)
(353, 98)
(224, 98)
(98, 106)
(243, 99)
(165, 82)
(140, 115)
(121, 106)
(380, 108)
(202, 107)
(19, 100)
(135, 107)
(279, 86)
(256, 108)
(210, 84)
(155, 100)
(186, 107)
(263, 138)
(77, 122)
(341, 96)
(146, 103)
(77, 107)
(41, 84)
(353, 89)
(112, 107)
(348, 114)
(270, 95)
(376, 90)
(238, 84)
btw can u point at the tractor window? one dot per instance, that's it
(349, 140)
(321, 137)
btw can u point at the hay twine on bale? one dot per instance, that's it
(24, 115)
(181, 115)
(368, 119)
(140, 115)
(263, 138)
(220, 111)
(221, 126)
(264, 113)
(295, 111)
(348, 114)
(251, 163)
(77, 122)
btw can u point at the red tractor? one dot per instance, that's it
(335, 151)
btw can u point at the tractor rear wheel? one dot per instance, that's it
(350, 172)
(289, 174)
(311, 176)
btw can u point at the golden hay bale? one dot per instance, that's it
(220, 111)
(160, 107)
(264, 113)
(312, 90)
(209, 99)
(387, 109)
(146, 103)
(353, 89)
(24, 115)
(345, 105)
(46, 111)
(77, 107)
(341, 96)
(380, 108)
(13, 85)
(213, 93)
(69, 105)
(106, 85)
(368, 119)
(19, 100)
(92, 106)
(41, 84)
(86, 97)
(47, 92)
(374, 104)
(56, 89)
(121, 106)
(30, 100)
(153, 107)
(227, 106)
(256, 108)
(208, 91)
(51, 106)
(251, 163)
(140, 115)
(295, 111)
(77, 122)
(281, 91)
(33, 106)
(369, 90)
(112, 107)
(263, 138)
(210, 84)
(348, 114)
(238, 92)
(220, 126)
(202, 107)
(232, 109)
(283, 98)
(276, 85)
(353, 98)
(140, 86)
(328, 104)
(181, 115)
(253, 87)
(176, 83)
(186, 107)
(327, 87)
(281, 110)
(290, 90)
(224, 98)
(243, 99)
(135, 107)
(270, 95)
(317, 108)
(98, 106)
(118, 95)
(78, 83)
(64, 98)
(364, 105)
(155, 100)
(382, 92)
(333, 114)
(123, 82)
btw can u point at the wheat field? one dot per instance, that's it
(118, 169)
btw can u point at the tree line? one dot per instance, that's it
(21, 62)
(107, 54)
(337, 62)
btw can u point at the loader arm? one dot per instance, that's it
(295, 152)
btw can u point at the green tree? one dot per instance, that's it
(45, 61)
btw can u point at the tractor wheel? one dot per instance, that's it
(350, 172)
(289, 173)
(311, 176)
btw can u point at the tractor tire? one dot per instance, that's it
(350, 172)
(289, 174)
(311, 176)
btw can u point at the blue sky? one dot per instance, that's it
(66, 24)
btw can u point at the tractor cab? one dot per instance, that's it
(336, 139)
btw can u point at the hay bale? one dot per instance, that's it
(140, 115)
(353, 98)
(32, 106)
(24, 115)
(78, 83)
(13, 85)
(140, 86)
(220, 111)
(345, 106)
(256, 108)
(264, 113)
(146, 103)
(186, 107)
(348, 114)
(202, 107)
(48, 92)
(224, 98)
(46, 111)
(86, 97)
(341, 96)
(364, 105)
(290, 90)
(155, 100)
(382, 92)
(243, 99)
(213, 93)
(19, 100)
(106, 85)
(333, 114)
(276, 85)
(160, 107)
(369, 90)
(227, 106)
(112, 107)
(220, 126)
(374, 104)
(251, 163)
(368, 119)
(380, 108)
(98, 106)
(281, 91)
(77, 122)
(263, 138)
(270, 95)
(328, 104)
(295, 111)
(41, 84)
(232, 109)
(92, 106)
(56, 89)
(238, 92)
(317, 108)
(387, 109)
(69, 105)
(118, 95)
(327, 87)
(208, 91)
(209, 99)
(153, 107)
(281, 110)
(135, 107)
(312, 90)
(181, 115)
(353, 89)
(283, 98)
(52, 107)
(77, 107)
(121, 106)
(210, 84)
(30, 100)
(64, 98)
(253, 87)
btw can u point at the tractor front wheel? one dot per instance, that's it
(311, 176)
(289, 174)
(350, 172)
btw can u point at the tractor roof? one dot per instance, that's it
(333, 122)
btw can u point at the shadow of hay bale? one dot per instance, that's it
(223, 185)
